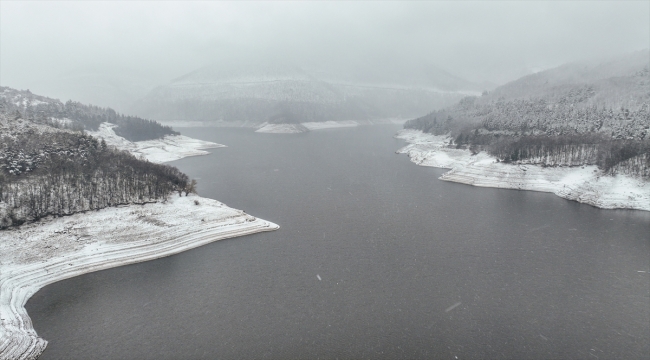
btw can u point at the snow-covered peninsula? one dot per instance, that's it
(585, 184)
(55, 248)
(169, 148)
(35, 255)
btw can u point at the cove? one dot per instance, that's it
(375, 258)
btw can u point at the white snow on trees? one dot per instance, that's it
(41, 253)
(585, 184)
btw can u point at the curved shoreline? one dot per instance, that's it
(168, 148)
(39, 254)
(584, 184)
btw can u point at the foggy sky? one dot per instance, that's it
(158, 41)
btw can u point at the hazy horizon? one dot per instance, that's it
(144, 44)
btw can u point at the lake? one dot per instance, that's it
(375, 258)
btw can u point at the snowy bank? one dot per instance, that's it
(169, 148)
(586, 184)
(42, 253)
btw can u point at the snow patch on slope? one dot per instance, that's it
(169, 148)
(45, 252)
(282, 128)
(585, 184)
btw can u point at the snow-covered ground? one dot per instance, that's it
(38, 254)
(169, 148)
(585, 184)
(35, 255)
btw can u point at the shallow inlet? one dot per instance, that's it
(396, 251)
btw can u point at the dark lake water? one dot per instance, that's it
(409, 266)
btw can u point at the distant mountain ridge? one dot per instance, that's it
(77, 116)
(116, 88)
(46, 170)
(279, 92)
(596, 114)
(615, 83)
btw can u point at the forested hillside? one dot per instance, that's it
(76, 116)
(46, 171)
(569, 116)
(276, 92)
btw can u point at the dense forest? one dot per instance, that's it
(45, 171)
(557, 123)
(76, 116)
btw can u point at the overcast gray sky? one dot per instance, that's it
(480, 41)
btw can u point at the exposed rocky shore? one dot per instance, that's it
(168, 148)
(42, 253)
(35, 255)
(585, 184)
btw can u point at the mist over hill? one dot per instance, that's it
(77, 116)
(575, 114)
(114, 88)
(616, 83)
(274, 91)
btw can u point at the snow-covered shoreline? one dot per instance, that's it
(585, 184)
(169, 148)
(35, 255)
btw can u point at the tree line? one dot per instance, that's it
(537, 131)
(77, 116)
(57, 173)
